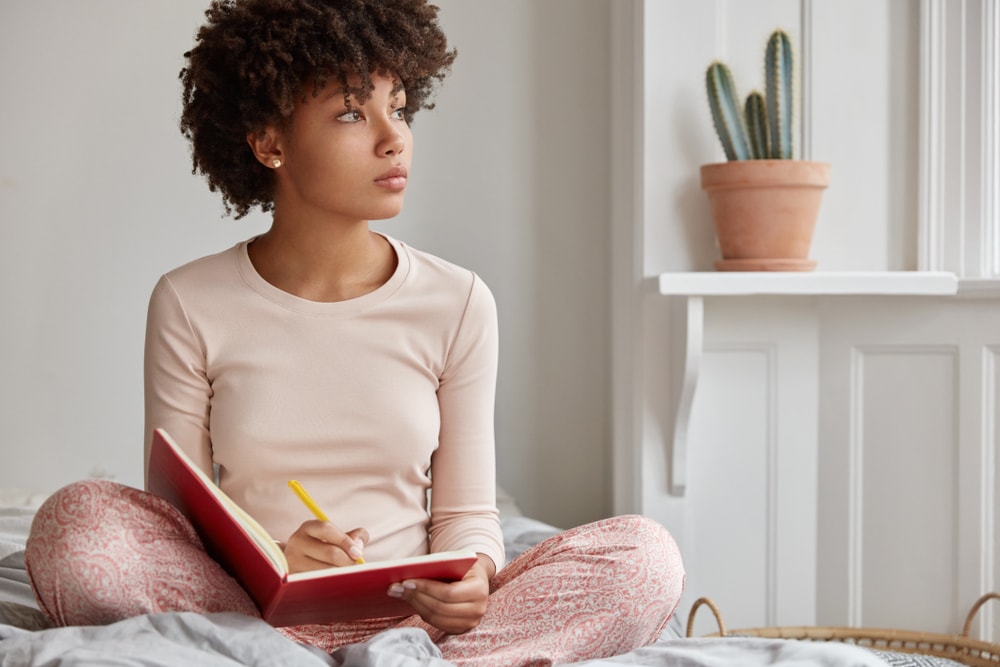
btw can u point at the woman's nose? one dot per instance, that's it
(392, 142)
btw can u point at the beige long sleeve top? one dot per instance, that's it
(367, 402)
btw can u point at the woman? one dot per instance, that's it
(323, 351)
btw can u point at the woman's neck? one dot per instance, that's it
(323, 263)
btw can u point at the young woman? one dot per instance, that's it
(323, 351)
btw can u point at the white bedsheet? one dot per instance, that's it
(742, 651)
(159, 640)
(14, 525)
(186, 639)
(226, 640)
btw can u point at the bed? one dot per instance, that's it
(166, 640)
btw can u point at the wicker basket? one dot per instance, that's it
(960, 648)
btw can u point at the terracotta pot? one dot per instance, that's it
(765, 212)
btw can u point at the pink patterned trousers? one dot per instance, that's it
(100, 552)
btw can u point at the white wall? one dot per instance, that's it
(860, 63)
(510, 179)
(97, 200)
(804, 425)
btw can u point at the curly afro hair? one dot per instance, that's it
(253, 58)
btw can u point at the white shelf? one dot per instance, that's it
(979, 288)
(686, 338)
(688, 318)
(733, 283)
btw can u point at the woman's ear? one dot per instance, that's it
(266, 146)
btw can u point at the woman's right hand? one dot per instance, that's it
(319, 544)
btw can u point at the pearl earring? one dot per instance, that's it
(276, 163)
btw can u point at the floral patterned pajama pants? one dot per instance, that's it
(100, 552)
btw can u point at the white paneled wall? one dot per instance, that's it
(842, 461)
(908, 450)
(960, 137)
(751, 496)
(821, 459)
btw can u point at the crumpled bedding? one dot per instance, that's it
(742, 651)
(229, 640)
(15, 522)
(158, 640)
(186, 639)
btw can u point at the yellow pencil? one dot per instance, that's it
(313, 507)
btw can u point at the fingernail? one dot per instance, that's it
(409, 585)
(355, 552)
(395, 591)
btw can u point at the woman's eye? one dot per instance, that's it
(351, 116)
(399, 113)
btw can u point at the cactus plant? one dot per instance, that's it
(725, 113)
(756, 115)
(764, 129)
(778, 78)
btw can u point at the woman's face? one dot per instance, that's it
(345, 159)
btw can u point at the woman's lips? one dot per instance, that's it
(394, 179)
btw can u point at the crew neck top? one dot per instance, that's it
(369, 402)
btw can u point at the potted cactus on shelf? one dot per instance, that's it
(764, 202)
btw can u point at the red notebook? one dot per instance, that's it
(242, 546)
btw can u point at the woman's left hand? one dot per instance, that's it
(455, 607)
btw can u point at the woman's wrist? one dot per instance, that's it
(489, 567)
